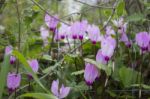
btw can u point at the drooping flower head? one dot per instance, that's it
(75, 29)
(100, 58)
(91, 73)
(60, 92)
(83, 29)
(121, 25)
(8, 50)
(125, 39)
(34, 65)
(107, 47)
(109, 31)
(13, 81)
(78, 29)
(51, 22)
(63, 31)
(12, 59)
(143, 40)
(94, 33)
(44, 35)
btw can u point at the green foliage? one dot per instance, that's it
(3, 74)
(37, 96)
(22, 59)
(128, 76)
(120, 8)
(136, 17)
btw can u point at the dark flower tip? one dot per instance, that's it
(62, 37)
(93, 42)
(52, 29)
(144, 49)
(10, 90)
(81, 38)
(74, 37)
(12, 62)
(97, 78)
(88, 83)
(129, 45)
(30, 77)
(107, 58)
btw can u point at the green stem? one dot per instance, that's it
(19, 33)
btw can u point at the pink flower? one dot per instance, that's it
(60, 92)
(75, 29)
(83, 29)
(13, 81)
(143, 40)
(34, 65)
(78, 29)
(91, 73)
(12, 59)
(51, 22)
(125, 39)
(109, 31)
(8, 50)
(94, 33)
(122, 26)
(63, 31)
(107, 47)
(100, 58)
(44, 33)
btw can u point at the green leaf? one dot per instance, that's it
(3, 74)
(78, 72)
(111, 93)
(38, 96)
(49, 69)
(128, 76)
(47, 57)
(22, 59)
(135, 17)
(120, 8)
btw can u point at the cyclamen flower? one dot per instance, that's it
(121, 25)
(91, 73)
(109, 31)
(94, 33)
(60, 92)
(12, 59)
(44, 35)
(8, 50)
(100, 58)
(107, 47)
(13, 81)
(83, 29)
(63, 31)
(75, 29)
(34, 65)
(143, 40)
(51, 22)
(125, 39)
